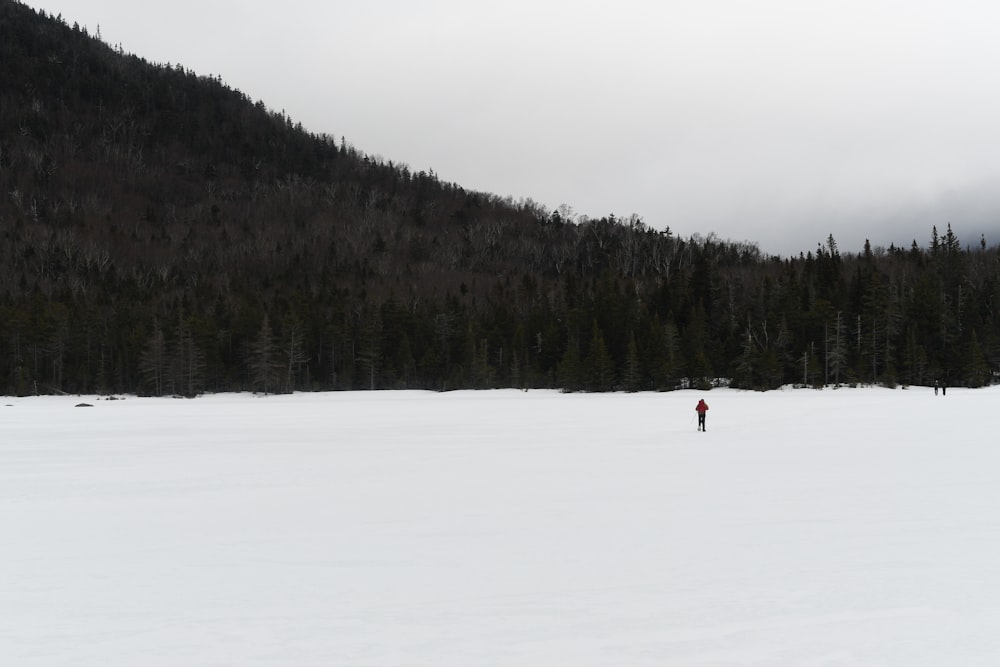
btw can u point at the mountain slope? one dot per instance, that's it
(162, 233)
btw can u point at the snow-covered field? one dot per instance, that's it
(817, 528)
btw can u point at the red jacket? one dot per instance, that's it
(702, 406)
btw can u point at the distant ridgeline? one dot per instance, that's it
(164, 234)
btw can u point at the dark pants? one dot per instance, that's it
(701, 421)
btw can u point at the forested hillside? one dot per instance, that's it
(164, 234)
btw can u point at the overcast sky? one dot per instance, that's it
(774, 121)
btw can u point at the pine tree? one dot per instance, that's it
(187, 362)
(745, 375)
(265, 362)
(633, 371)
(699, 370)
(977, 373)
(294, 356)
(673, 365)
(154, 363)
(600, 366)
(569, 373)
(369, 352)
(837, 348)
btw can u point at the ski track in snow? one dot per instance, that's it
(810, 528)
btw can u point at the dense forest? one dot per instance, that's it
(164, 234)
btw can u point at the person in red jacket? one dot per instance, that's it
(702, 408)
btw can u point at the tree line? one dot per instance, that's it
(164, 234)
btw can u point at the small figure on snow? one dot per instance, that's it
(935, 387)
(702, 408)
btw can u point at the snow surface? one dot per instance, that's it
(817, 528)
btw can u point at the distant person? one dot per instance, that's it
(702, 408)
(944, 389)
(935, 387)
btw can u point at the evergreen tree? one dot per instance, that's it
(294, 356)
(154, 363)
(600, 366)
(187, 362)
(746, 372)
(265, 361)
(673, 364)
(570, 373)
(977, 373)
(633, 370)
(837, 349)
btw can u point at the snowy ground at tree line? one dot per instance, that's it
(814, 528)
